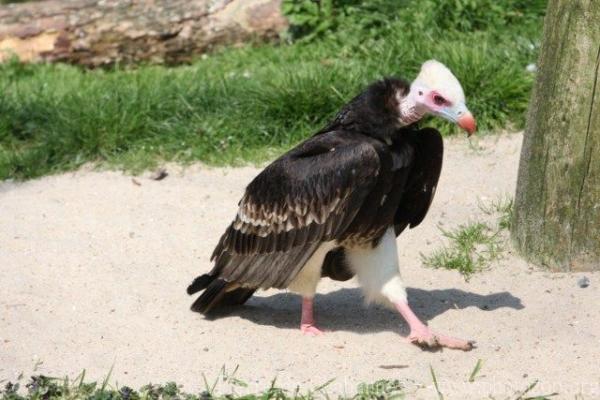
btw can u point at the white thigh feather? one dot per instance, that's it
(305, 283)
(378, 270)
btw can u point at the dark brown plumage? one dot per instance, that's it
(348, 183)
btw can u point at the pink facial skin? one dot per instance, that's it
(438, 104)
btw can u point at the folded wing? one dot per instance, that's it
(307, 197)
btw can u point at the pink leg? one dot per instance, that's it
(421, 335)
(307, 323)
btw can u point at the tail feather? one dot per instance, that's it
(236, 297)
(217, 293)
(200, 283)
(210, 297)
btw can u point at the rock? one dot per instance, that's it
(583, 282)
(159, 174)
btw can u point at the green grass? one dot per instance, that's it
(474, 246)
(471, 248)
(502, 208)
(240, 105)
(476, 370)
(42, 387)
(435, 383)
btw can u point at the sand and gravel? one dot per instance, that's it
(94, 267)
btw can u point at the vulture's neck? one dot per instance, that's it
(410, 110)
(380, 111)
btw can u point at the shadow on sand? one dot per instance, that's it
(344, 309)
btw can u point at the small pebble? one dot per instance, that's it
(583, 282)
(159, 174)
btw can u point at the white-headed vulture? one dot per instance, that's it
(333, 205)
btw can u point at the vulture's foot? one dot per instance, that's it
(310, 330)
(308, 325)
(425, 338)
(422, 336)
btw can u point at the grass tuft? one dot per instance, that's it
(474, 246)
(381, 389)
(521, 395)
(471, 247)
(502, 207)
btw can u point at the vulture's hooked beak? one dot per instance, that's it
(460, 115)
(467, 122)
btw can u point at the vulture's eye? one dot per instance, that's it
(439, 100)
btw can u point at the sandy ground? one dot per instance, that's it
(94, 269)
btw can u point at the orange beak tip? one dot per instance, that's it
(468, 123)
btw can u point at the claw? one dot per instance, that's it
(427, 339)
(422, 336)
(310, 330)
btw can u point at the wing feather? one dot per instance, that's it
(423, 179)
(306, 197)
(417, 163)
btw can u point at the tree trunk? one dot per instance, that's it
(557, 206)
(101, 32)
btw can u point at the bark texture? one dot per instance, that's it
(100, 32)
(557, 205)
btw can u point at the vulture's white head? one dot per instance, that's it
(437, 91)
